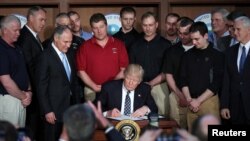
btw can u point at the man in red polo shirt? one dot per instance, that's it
(100, 59)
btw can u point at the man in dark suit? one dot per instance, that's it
(56, 82)
(114, 94)
(236, 86)
(32, 47)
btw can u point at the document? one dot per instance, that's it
(123, 117)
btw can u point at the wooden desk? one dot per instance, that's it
(168, 126)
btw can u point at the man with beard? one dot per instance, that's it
(171, 28)
(76, 26)
(177, 101)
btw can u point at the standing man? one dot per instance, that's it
(171, 32)
(235, 92)
(201, 75)
(220, 35)
(56, 82)
(15, 91)
(115, 95)
(32, 47)
(149, 52)
(127, 32)
(100, 59)
(76, 26)
(177, 101)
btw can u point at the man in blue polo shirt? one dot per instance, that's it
(15, 92)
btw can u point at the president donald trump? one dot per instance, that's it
(129, 96)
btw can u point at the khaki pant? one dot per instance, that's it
(210, 106)
(12, 110)
(179, 114)
(89, 94)
(160, 94)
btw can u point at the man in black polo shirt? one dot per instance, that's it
(201, 75)
(127, 32)
(171, 67)
(149, 52)
(15, 92)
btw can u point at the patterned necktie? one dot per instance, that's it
(66, 65)
(242, 59)
(39, 41)
(127, 107)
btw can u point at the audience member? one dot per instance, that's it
(201, 75)
(177, 101)
(56, 82)
(76, 27)
(171, 31)
(7, 131)
(235, 91)
(149, 52)
(80, 122)
(100, 59)
(128, 96)
(15, 91)
(200, 126)
(127, 32)
(32, 47)
(220, 36)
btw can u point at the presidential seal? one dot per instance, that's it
(206, 18)
(114, 23)
(129, 129)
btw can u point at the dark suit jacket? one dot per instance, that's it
(111, 96)
(31, 50)
(236, 86)
(53, 87)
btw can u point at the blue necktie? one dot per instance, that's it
(127, 107)
(66, 65)
(242, 59)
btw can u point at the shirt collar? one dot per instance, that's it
(32, 31)
(56, 49)
(247, 46)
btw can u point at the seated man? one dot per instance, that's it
(128, 96)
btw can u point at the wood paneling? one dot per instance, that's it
(86, 8)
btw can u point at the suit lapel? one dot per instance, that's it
(235, 57)
(39, 45)
(137, 97)
(247, 63)
(59, 62)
